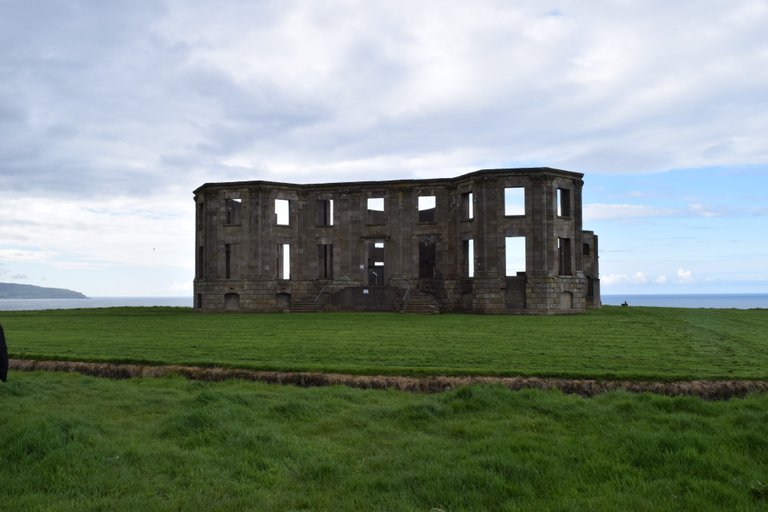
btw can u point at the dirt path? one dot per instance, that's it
(712, 390)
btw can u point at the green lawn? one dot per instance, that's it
(70, 442)
(73, 443)
(614, 342)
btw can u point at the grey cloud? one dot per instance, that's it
(118, 97)
(245, 115)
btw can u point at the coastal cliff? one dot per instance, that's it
(28, 291)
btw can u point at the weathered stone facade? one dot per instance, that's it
(492, 241)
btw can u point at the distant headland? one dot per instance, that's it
(28, 291)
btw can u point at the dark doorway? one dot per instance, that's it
(375, 263)
(427, 259)
(231, 301)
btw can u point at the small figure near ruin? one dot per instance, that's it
(3, 356)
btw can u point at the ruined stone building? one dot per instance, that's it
(492, 241)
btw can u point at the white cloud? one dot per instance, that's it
(102, 232)
(599, 211)
(178, 286)
(316, 83)
(684, 276)
(615, 279)
(705, 211)
(25, 255)
(633, 279)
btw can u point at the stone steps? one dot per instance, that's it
(309, 305)
(421, 304)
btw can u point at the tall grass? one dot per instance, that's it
(636, 342)
(69, 442)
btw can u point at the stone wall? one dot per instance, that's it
(266, 246)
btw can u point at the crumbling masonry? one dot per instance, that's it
(492, 241)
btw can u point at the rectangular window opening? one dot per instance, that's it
(282, 212)
(233, 210)
(375, 206)
(200, 262)
(468, 205)
(427, 208)
(515, 254)
(469, 257)
(325, 212)
(514, 201)
(563, 202)
(284, 261)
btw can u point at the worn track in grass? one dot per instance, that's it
(711, 390)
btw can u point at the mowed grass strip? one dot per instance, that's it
(71, 443)
(614, 342)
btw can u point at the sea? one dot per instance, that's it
(93, 302)
(724, 301)
(720, 300)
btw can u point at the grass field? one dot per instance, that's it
(614, 342)
(70, 442)
(73, 443)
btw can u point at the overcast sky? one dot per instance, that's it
(111, 113)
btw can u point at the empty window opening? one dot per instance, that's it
(233, 211)
(325, 261)
(427, 206)
(375, 207)
(282, 212)
(325, 212)
(227, 261)
(515, 254)
(468, 205)
(514, 201)
(427, 259)
(376, 204)
(564, 256)
(284, 261)
(468, 251)
(376, 264)
(586, 250)
(563, 202)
